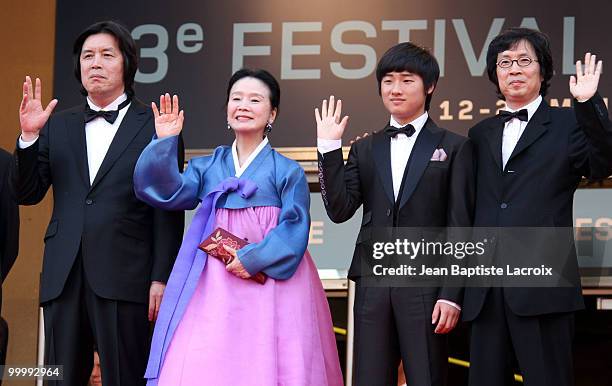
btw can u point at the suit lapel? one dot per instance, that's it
(381, 152)
(425, 144)
(75, 124)
(536, 127)
(132, 123)
(494, 138)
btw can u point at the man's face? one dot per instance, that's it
(102, 67)
(519, 85)
(403, 95)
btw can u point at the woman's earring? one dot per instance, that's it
(268, 128)
(228, 126)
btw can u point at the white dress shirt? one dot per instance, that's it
(514, 128)
(401, 148)
(98, 135)
(240, 169)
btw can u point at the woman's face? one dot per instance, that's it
(249, 108)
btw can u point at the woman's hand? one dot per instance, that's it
(235, 266)
(168, 119)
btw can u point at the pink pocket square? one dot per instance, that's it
(438, 155)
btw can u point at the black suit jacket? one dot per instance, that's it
(536, 189)
(125, 243)
(434, 193)
(9, 219)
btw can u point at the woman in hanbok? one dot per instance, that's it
(216, 326)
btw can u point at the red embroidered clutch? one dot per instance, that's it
(213, 245)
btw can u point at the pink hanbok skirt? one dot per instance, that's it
(238, 332)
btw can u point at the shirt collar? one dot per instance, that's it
(112, 106)
(417, 123)
(240, 169)
(531, 107)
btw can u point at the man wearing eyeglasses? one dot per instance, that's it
(530, 159)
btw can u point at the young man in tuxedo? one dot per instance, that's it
(530, 160)
(411, 174)
(107, 254)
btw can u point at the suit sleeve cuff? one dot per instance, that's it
(25, 144)
(594, 99)
(327, 145)
(453, 304)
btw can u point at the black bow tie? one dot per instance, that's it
(507, 115)
(392, 131)
(109, 116)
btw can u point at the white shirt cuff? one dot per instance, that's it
(453, 304)
(327, 145)
(24, 144)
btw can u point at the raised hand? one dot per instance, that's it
(584, 85)
(168, 119)
(329, 125)
(32, 116)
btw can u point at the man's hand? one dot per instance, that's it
(168, 119)
(329, 125)
(235, 266)
(446, 316)
(584, 85)
(357, 138)
(156, 292)
(32, 117)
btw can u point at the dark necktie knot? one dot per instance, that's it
(109, 116)
(392, 131)
(507, 115)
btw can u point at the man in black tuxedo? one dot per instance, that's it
(9, 236)
(411, 174)
(107, 254)
(530, 160)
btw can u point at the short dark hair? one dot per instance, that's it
(126, 45)
(509, 39)
(412, 58)
(261, 75)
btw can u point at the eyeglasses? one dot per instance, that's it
(522, 62)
